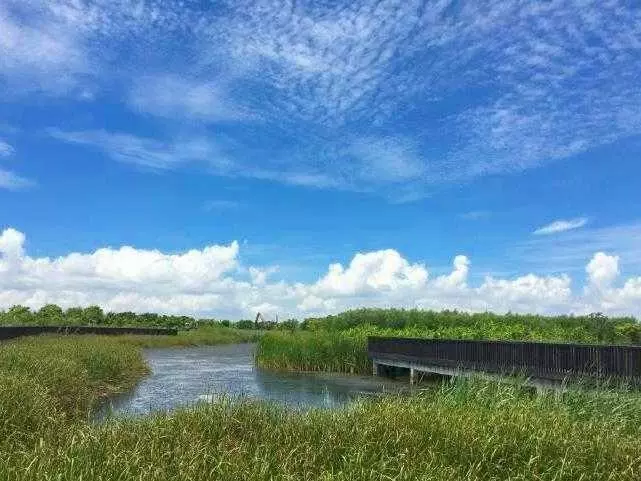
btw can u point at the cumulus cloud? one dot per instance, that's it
(561, 226)
(212, 281)
(601, 292)
(372, 272)
(602, 269)
(458, 277)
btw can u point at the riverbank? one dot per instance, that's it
(464, 430)
(202, 336)
(51, 381)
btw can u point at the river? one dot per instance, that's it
(185, 376)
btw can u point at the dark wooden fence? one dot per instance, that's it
(530, 359)
(10, 332)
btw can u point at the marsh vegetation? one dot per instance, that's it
(465, 430)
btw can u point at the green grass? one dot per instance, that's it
(314, 351)
(338, 342)
(202, 336)
(465, 431)
(48, 381)
(468, 430)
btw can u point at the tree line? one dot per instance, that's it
(54, 315)
(594, 327)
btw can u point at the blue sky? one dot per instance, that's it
(505, 132)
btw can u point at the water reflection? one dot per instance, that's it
(185, 376)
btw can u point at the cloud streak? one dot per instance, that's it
(369, 87)
(561, 226)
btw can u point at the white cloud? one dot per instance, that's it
(602, 270)
(211, 282)
(600, 292)
(527, 293)
(11, 246)
(458, 277)
(372, 272)
(570, 251)
(44, 55)
(561, 226)
(259, 275)
(11, 181)
(178, 98)
(150, 152)
(317, 72)
(385, 160)
(6, 149)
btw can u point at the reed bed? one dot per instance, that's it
(202, 336)
(48, 381)
(338, 342)
(462, 431)
(331, 351)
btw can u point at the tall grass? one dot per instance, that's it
(314, 351)
(48, 381)
(338, 342)
(465, 431)
(202, 336)
(468, 430)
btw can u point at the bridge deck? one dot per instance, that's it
(544, 361)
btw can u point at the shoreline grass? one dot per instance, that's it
(49, 381)
(463, 431)
(202, 336)
(337, 343)
(344, 352)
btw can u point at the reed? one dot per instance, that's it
(314, 351)
(338, 342)
(202, 336)
(462, 431)
(48, 381)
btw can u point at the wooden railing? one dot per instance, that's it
(10, 332)
(530, 359)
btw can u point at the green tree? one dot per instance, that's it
(19, 316)
(50, 315)
(74, 316)
(93, 315)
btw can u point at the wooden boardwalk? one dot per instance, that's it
(11, 332)
(537, 361)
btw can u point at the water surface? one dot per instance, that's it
(184, 376)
